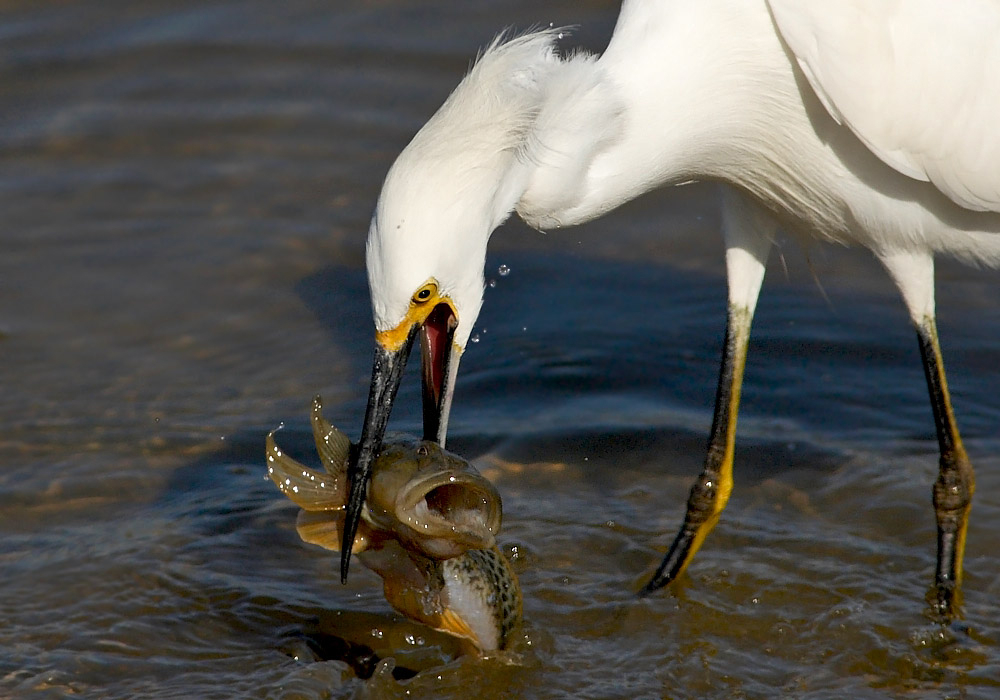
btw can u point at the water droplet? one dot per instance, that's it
(560, 35)
(493, 284)
(475, 338)
(503, 270)
(377, 633)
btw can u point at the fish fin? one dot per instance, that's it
(424, 605)
(306, 487)
(419, 596)
(334, 447)
(320, 528)
(326, 530)
(451, 622)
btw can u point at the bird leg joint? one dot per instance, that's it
(702, 503)
(953, 491)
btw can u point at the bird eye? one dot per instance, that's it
(425, 293)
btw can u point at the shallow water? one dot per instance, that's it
(185, 191)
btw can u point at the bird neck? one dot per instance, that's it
(674, 98)
(580, 116)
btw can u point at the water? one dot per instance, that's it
(185, 191)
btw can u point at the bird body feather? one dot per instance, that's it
(839, 129)
(918, 82)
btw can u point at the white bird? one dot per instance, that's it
(865, 122)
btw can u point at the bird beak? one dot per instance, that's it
(440, 366)
(439, 359)
(387, 371)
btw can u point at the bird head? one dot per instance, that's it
(457, 180)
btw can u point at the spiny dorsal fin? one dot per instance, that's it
(334, 447)
(307, 487)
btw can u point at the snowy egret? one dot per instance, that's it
(865, 122)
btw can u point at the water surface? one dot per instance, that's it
(185, 191)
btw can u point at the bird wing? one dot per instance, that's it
(918, 81)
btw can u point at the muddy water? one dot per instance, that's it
(185, 189)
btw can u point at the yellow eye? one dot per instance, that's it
(425, 293)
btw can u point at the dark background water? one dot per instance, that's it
(185, 189)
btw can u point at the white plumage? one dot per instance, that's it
(915, 80)
(864, 122)
(890, 94)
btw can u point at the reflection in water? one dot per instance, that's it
(185, 192)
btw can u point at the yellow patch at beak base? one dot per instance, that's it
(423, 302)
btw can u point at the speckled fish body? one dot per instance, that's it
(428, 529)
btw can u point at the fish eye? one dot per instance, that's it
(425, 293)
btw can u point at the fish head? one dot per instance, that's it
(434, 501)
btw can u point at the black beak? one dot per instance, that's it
(440, 366)
(387, 371)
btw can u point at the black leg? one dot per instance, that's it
(955, 483)
(711, 492)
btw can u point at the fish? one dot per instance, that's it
(428, 529)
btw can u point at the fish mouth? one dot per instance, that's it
(447, 513)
